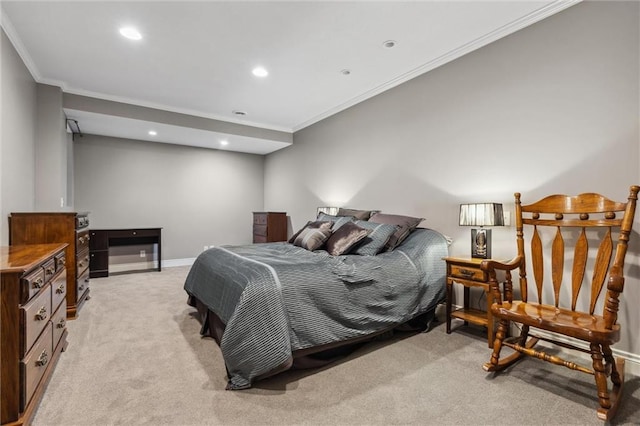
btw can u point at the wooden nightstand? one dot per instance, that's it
(466, 271)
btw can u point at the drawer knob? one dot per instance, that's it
(61, 323)
(60, 289)
(49, 271)
(41, 315)
(61, 261)
(466, 272)
(43, 359)
(38, 283)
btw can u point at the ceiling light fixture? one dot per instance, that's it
(389, 44)
(152, 132)
(260, 72)
(130, 33)
(345, 72)
(224, 143)
(236, 112)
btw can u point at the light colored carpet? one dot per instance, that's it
(135, 356)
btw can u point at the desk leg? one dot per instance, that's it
(159, 255)
(448, 305)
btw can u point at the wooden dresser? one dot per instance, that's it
(71, 228)
(269, 227)
(32, 324)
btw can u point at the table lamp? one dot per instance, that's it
(481, 214)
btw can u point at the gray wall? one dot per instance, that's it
(51, 150)
(552, 108)
(198, 196)
(17, 146)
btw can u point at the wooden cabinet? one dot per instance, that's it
(32, 324)
(269, 227)
(468, 273)
(70, 228)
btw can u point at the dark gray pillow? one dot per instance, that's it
(358, 214)
(373, 243)
(405, 225)
(312, 238)
(316, 224)
(338, 221)
(344, 238)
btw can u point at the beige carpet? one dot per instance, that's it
(135, 357)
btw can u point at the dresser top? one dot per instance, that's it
(23, 258)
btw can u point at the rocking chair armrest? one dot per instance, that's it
(492, 265)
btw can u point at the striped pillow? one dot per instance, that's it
(312, 238)
(373, 243)
(338, 221)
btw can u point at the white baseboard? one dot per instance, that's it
(169, 263)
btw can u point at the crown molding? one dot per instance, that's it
(469, 47)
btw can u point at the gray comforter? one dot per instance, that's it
(276, 298)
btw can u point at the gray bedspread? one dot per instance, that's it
(276, 298)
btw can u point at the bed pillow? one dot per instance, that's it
(405, 225)
(344, 238)
(312, 238)
(315, 224)
(373, 243)
(338, 221)
(358, 214)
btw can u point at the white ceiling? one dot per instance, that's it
(196, 57)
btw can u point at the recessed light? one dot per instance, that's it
(260, 72)
(236, 112)
(152, 132)
(389, 44)
(345, 72)
(224, 143)
(130, 33)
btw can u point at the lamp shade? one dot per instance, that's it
(481, 214)
(328, 210)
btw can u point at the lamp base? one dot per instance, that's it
(481, 243)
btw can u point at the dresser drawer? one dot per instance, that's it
(32, 283)
(35, 315)
(58, 290)
(260, 230)
(34, 365)
(59, 321)
(468, 273)
(260, 218)
(259, 239)
(60, 260)
(49, 270)
(82, 241)
(82, 262)
(83, 284)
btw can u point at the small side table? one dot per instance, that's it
(466, 271)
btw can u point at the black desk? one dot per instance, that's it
(101, 239)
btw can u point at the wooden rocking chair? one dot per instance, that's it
(579, 219)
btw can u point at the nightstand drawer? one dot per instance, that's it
(468, 273)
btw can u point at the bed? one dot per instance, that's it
(270, 306)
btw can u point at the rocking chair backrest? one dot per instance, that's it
(575, 217)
